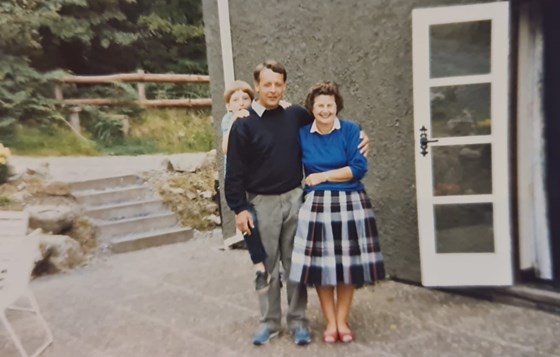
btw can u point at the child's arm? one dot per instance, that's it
(226, 127)
(227, 121)
(225, 139)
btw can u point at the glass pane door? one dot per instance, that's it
(460, 113)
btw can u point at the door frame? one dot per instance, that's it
(465, 269)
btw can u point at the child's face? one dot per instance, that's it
(238, 100)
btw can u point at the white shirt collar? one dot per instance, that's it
(258, 108)
(336, 126)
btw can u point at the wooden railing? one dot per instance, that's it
(140, 78)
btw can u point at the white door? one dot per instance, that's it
(460, 69)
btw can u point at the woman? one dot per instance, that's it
(336, 245)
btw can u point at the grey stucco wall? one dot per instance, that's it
(366, 47)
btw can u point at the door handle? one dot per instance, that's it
(424, 141)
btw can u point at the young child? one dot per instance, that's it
(238, 97)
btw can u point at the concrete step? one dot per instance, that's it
(113, 195)
(119, 228)
(125, 210)
(151, 239)
(104, 183)
(534, 296)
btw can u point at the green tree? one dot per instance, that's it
(89, 37)
(23, 90)
(109, 36)
(42, 38)
(171, 36)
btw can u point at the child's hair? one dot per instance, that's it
(236, 86)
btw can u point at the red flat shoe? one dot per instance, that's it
(346, 337)
(330, 337)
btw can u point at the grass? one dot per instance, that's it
(175, 130)
(153, 131)
(51, 141)
(5, 201)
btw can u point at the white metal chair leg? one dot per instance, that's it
(17, 253)
(34, 309)
(49, 337)
(13, 335)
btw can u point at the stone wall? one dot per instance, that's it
(364, 45)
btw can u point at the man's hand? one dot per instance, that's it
(244, 222)
(363, 146)
(316, 178)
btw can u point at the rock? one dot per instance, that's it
(176, 190)
(57, 188)
(182, 164)
(11, 170)
(214, 219)
(211, 207)
(59, 253)
(42, 170)
(83, 231)
(51, 218)
(189, 195)
(206, 194)
(167, 165)
(210, 158)
(20, 196)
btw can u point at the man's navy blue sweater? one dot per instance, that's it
(264, 155)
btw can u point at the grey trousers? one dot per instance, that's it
(277, 215)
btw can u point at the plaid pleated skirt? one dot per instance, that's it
(336, 241)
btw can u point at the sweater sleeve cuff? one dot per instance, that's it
(241, 208)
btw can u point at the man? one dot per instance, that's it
(264, 170)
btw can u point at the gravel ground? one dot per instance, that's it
(78, 168)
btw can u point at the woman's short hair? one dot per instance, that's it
(274, 66)
(238, 86)
(324, 88)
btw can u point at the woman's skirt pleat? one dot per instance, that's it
(336, 241)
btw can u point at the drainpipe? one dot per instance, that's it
(225, 39)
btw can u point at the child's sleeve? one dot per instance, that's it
(227, 121)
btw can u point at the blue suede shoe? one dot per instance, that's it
(263, 335)
(302, 336)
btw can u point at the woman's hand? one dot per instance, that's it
(363, 146)
(316, 178)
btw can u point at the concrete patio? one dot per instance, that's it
(195, 299)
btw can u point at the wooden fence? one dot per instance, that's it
(140, 78)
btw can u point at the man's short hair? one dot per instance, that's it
(238, 86)
(324, 88)
(274, 66)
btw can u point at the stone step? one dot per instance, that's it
(119, 228)
(104, 183)
(125, 210)
(151, 239)
(114, 195)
